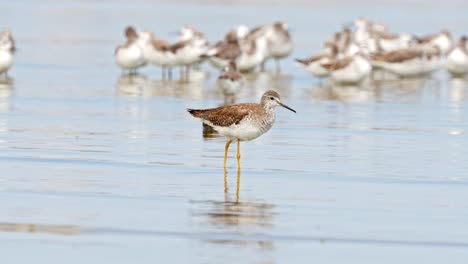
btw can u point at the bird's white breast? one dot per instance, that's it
(249, 128)
(6, 60)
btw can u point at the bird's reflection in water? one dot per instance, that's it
(183, 88)
(232, 215)
(344, 93)
(195, 74)
(6, 90)
(6, 83)
(381, 75)
(457, 89)
(401, 89)
(374, 90)
(395, 85)
(132, 85)
(209, 132)
(456, 97)
(139, 85)
(258, 82)
(226, 185)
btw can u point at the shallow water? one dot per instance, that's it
(100, 168)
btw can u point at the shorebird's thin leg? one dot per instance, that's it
(181, 74)
(169, 74)
(187, 73)
(226, 148)
(163, 72)
(238, 153)
(232, 99)
(262, 66)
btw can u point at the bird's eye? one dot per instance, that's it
(272, 98)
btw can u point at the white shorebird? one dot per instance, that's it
(347, 46)
(389, 42)
(242, 122)
(344, 43)
(130, 56)
(7, 50)
(409, 62)
(457, 59)
(442, 40)
(341, 44)
(190, 49)
(362, 32)
(158, 52)
(365, 26)
(228, 49)
(365, 35)
(254, 50)
(349, 70)
(314, 64)
(230, 81)
(279, 42)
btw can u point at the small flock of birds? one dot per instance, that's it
(241, 50)
(350, 56)
(347, 57)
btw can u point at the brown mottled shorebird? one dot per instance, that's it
(243, 122)
(230, 81)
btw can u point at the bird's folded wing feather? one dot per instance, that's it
(223, 116)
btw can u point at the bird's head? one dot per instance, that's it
(271, 99)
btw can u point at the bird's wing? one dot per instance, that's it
(338, 64)
(224, 116)
(397, 55)
(179, 45)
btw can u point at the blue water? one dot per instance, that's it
(96, 168)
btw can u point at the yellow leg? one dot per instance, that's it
(238, 153)
(226, 148)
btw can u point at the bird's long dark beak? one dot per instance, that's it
(287, 107)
